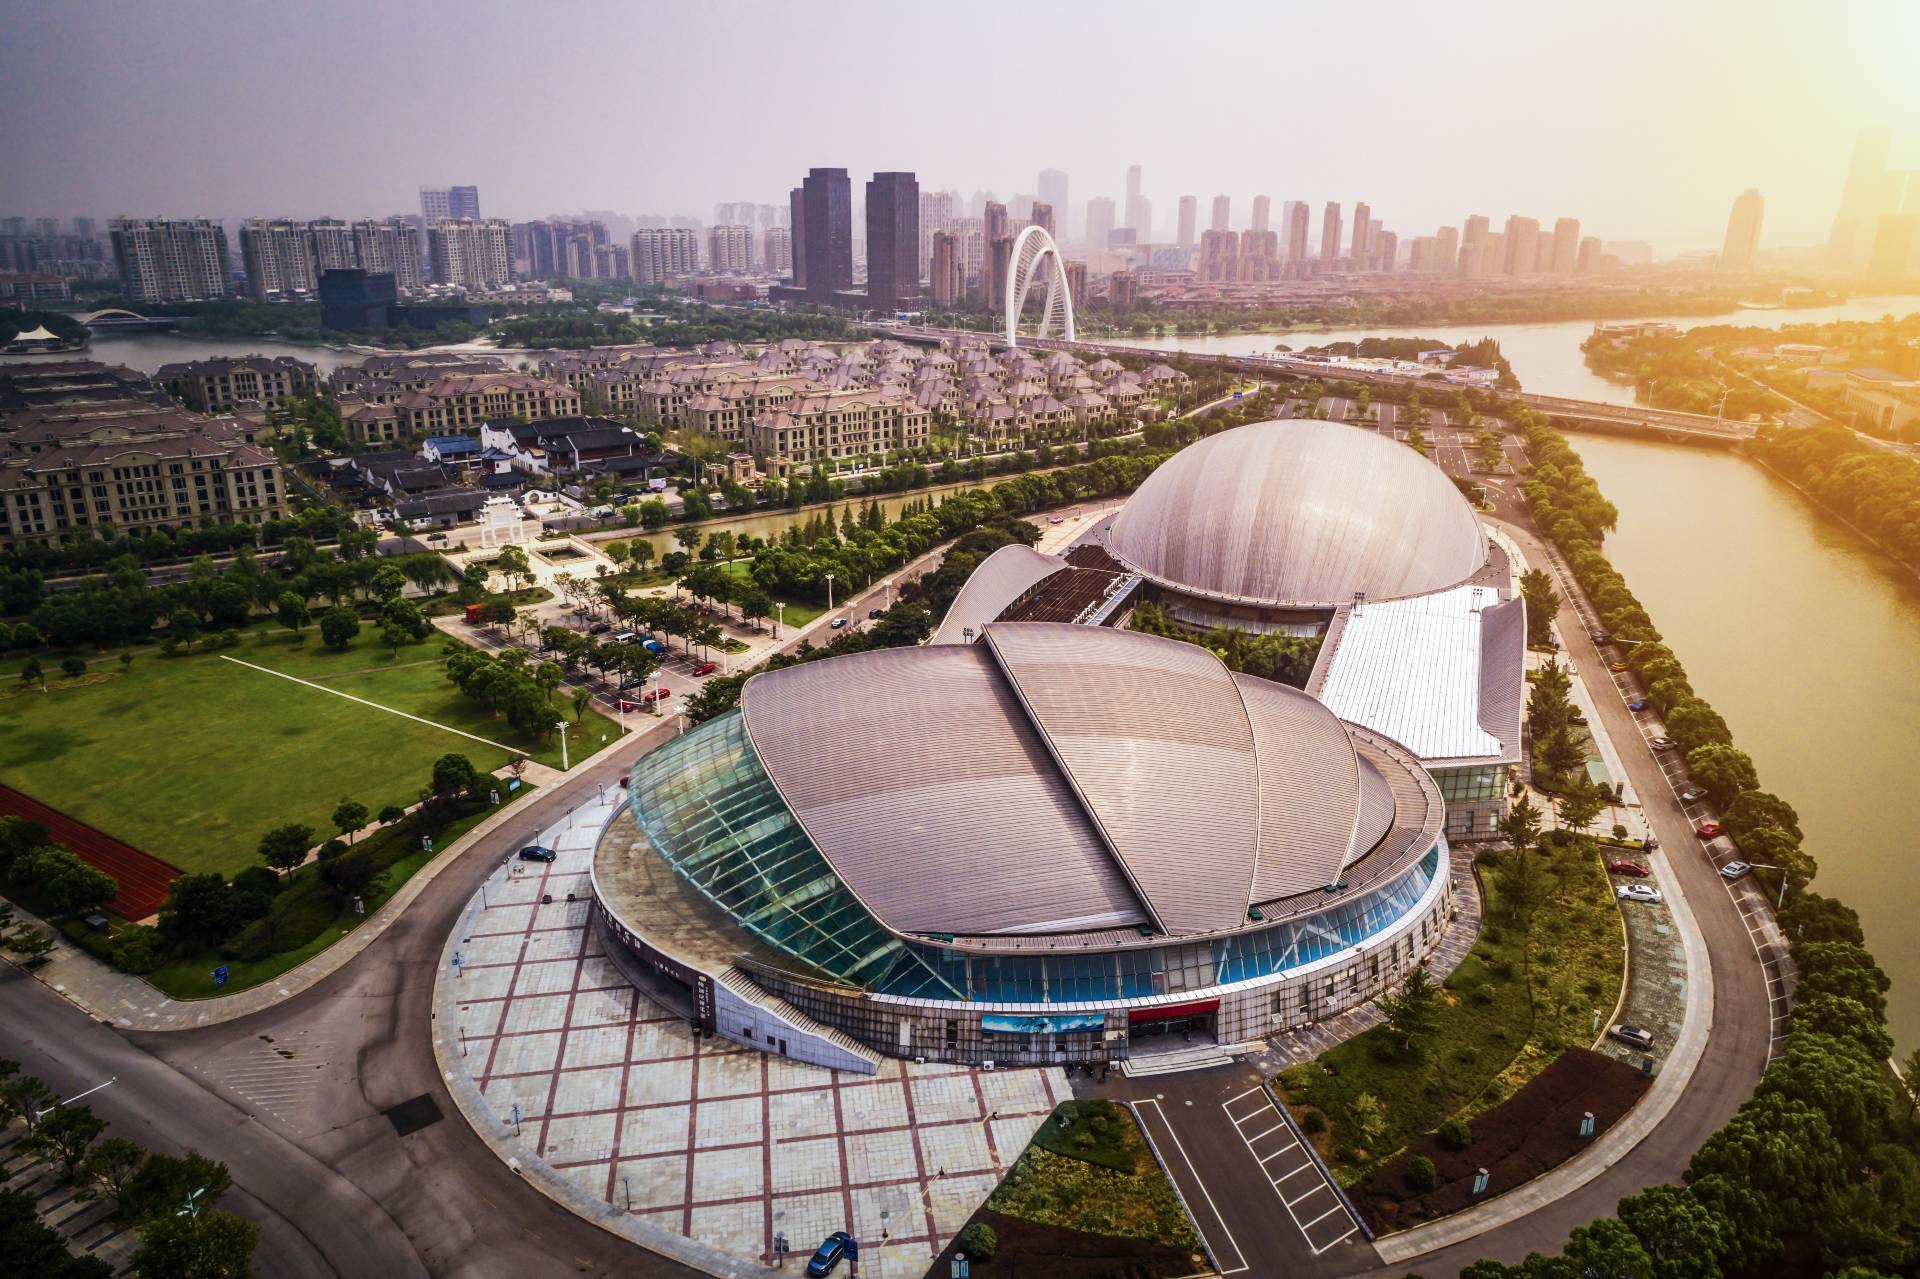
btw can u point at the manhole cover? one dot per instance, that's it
(413, 1115)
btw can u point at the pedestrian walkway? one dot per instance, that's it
(85, 1225)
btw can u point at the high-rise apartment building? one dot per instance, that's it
(947, 273)
(1742, 243)
(1362, 229)
(1383, 248)
(658, 255)
(1219, 256)
(278, 258)
(1473, 241)
(439, 203)
(937, 213)
(1589, 258)
(824, 237)
(85, 228)
(730, 249)
(389, 247)
(1099, 222)
(778, 251)
(1139, 213)
(1259, 256)
(1566, 246)
(1446, 250)
(1042, 217)
(332, 244)
(473, 253)
(1262, 211)
(1189, 215)
(170, 260)
(564, 248)
(1522, 244)
(893, 239)
(1543, 252)
(1053, 191)
(1330, 232)
(1869, 193)
(1298, 218)
(1222, 212)
(995, 223)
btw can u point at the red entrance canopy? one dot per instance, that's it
(1167, 1011)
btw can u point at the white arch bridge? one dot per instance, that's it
(1036, 256)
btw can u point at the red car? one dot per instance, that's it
(1709, 830)
(627, 707)
(655, 695)
(706, 668)
(1621, 866)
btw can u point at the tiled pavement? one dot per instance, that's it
(699, 1136)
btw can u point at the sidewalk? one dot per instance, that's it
(129, 1002)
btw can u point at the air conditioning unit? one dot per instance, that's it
(919, 1061)
(986, 1065)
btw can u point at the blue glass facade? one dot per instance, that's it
(707, 805)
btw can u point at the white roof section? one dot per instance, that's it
(1411, 670)
(1299, 514)
(996, 582)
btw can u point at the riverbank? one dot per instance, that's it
(1892, 557)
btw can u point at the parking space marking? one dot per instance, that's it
(1304, 1163)
(1194, 1173)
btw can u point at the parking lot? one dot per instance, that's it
(1303, 1190)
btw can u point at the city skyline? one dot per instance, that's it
(1579, 149)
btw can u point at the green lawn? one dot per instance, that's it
(1106, 1183)
(193, 758)
(1525, 993)
(191, 977)
(799, 612)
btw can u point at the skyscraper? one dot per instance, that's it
(948, 273)
(1446, 251)
(1262, 211)
(1099, 221)
(777, 251)
(1473, 241)
(1053, 191)
(1219, 256)
(169, 260)
(332, 244)
(449, 202)
(389, 247)
(1362, 230)
(1142, 225)
(825, 240)
(1865, 197)
(1189, 211)
(937, 213)
(796, 249)
(1566, 246)
(1743, 231)
(278, 258)
(1522, 243)
(730, 249)
(893, 239)
(471, 252)
(1297, 217)
(1222, 212)
(1330, 232)
(1042, 216)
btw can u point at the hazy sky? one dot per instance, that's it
(1642, 119)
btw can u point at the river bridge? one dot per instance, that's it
(1571, 413)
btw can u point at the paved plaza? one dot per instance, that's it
(696, 1135)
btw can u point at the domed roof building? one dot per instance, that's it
(1055, 842)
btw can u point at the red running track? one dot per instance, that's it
(143, 878)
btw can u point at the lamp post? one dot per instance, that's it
(779, 617)
(829, 592)
(1782, 903)
(562, 726)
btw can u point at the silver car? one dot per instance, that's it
(1638, 893)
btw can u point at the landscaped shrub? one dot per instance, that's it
(1421, 1174)
(297, 916)
(978, 1241)
(258, 879)
(1456, 1132)
(1313, 1121)
(74, 667)
(138, 950)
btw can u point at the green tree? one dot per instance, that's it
(394, 635)
(23, 1097)
(1607, 1249)
(209, 1245)
(349, 816)
(73, 667)
(1369, 1117)
(1724, 770)
(338, 626)
(1413, 1012)
(512, 563)
(1753, 809)
(1579, 804)
(1836, 1077)
(160, 1186)
(387, 582)
(392, 813)
(978, 1241)
(63, 1136)
(30, 1247)
(108, 1167)
(285, 847)
(1842, 1018)
(453, 776)
(1682, 1236)
(1522, 881)
(1520, 825)
(292, 612)
(1782, 1149)
(582, 698)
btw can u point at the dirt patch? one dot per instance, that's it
(1536, 1129)
(1028, 1249)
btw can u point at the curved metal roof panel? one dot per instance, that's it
(919, 777)
(1156, 739)
(1299, 513)
(1310, 789)
(995, 582)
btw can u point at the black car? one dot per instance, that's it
(536, 853)
(826, 1258)
(1633, 1037)
(1692, 793)
(600, 628)
(873, 613)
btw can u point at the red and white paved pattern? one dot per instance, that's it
(703, 1137)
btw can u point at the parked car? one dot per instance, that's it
(838, 622)
(706, 668)
(1662, 743)
(1617, 667)
(1692, 793)
(537, 853)
(1637, 704)
(827, 1257)
(653, 696)
(874, 614)
(1637, 893)
(1621, 866)
(1576, 717)
(1709, 830)
(1735, 870)
(1632, 1036)
(1055, 519)
(628, 706)
(623, 637)
(1599, 637)
(600, 628)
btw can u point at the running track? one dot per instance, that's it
(143, 879)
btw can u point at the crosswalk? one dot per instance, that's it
(279, 1075)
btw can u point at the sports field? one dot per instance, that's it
(193, 758)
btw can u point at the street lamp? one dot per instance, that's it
(779, 617)
(562, 726)
(1782, 903)
(829, 592)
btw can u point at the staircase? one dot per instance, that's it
(800, 1024)
(1198, 1057)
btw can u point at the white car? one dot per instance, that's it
(1637, 893)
